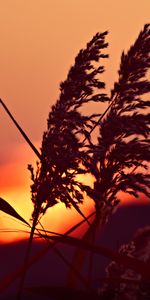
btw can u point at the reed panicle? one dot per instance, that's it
(121, 156)
(120, 159)
(62, 151)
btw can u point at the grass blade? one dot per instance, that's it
(131, 263)
(9, 210)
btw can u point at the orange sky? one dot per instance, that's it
(39, 40)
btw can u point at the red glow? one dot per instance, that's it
(15, 188)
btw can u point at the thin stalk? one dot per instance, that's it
(21, 130)
(27, 255)
(102, 116)
(127, 261)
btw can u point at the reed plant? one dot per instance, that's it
(118, 160)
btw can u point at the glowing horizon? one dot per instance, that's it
(17, 193)
(38, 45)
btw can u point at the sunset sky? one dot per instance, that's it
(39, 40)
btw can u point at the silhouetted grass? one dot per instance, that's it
(118, 161)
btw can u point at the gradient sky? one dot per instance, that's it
(39, 40)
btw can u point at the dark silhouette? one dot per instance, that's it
(118, 161)
(120, 158)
